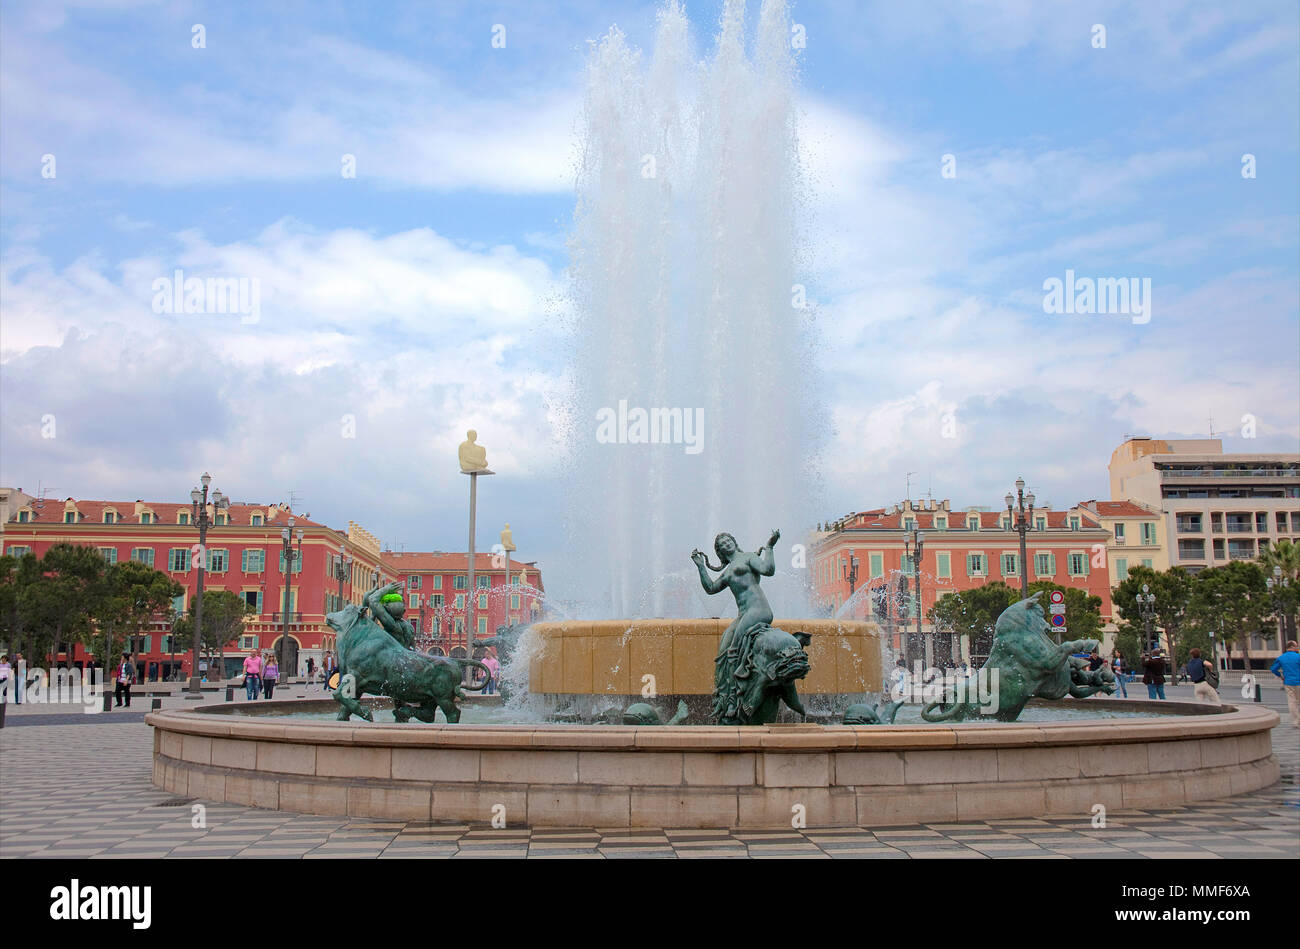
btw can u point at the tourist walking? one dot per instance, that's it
(494, 670)
(1154, 675)
(1204, 677)
(1287, 668)
(20, 670)
(252, 675)
(125, 678)
(1117, 667)
(270, 675)
(329, 670)
(6, 673)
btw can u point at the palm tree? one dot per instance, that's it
(1281, 564)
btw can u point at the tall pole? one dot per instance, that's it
(471, 612)
(286, 547)
(199, 510)
(1020, 519)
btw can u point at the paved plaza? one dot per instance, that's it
(74, 785)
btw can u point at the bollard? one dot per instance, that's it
(3, 705)
(1259, 693)
(230, 693)
(108, 698)
(155, 705)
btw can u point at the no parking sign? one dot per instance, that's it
(1057, 608)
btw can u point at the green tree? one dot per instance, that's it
(1284, 558)
(1172, 589)
(18, 576)
(1231, 603)
(223, 621)
(1082, 609)
(974, 612)
(130, 595)
(59, 605)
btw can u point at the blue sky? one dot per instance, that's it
(443, 261)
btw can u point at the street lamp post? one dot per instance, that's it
(853, 574)
(287, 552)
(1147, 605)
(913, 545)
(200, 517)
(1021, 517)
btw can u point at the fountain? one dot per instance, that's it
(692, 360)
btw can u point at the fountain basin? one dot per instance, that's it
(714, 776)
(613, 657)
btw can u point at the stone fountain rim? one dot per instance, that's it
(1188, 720)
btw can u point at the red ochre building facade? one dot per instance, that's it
(244, 556)
(961, 550)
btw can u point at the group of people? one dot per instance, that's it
(261, 673)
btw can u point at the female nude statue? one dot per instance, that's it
(739, 572)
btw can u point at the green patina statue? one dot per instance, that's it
(757, 664)
(376, 656)
(642, 713)
(862, 714)
(1028, 665)
(504, 642)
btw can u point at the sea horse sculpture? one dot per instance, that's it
(757, 664)
(1028, 665)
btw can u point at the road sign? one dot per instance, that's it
(1057, 596)
(1058, 620)
(1056, 609)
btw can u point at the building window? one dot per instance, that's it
(413, 583)
(460, 601)
(69, 517)
(972, 523)
(1078, 564)
(1119, 533)
(217, 560)
(909, 523)
(18, 551)
(255, 520)
(1121, 569)
(943, 565)
(182, 518)
(436, 600)
(1192, 549)
(1040, 523)
(24, 515)
(514, 601)
(254, 599)
(178, 604)
(484, 581)
(1010, 565)
(460, 625)
(1045, 565)
(1280, 521)
(147, 518)
(413, 601)
(482, 601)
(941, 523)
(178, 559)
(460, 582)
(110, 517)
(222, 519)
(248, 642)
(1146, 562)
(1074, 523)
(975, 565)
(437, 582)
(252, 560)
(143, 555)
(1006, 522)
(1148, 534)
(297, 560)
(514, 620)
(877, 562)
(482, 625)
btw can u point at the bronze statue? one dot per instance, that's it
(376, 657)
(1029, 664)
(642, 713)
(757, 664)
(862, 714)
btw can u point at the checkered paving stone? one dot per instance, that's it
(65, 797)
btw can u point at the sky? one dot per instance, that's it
(958, 155)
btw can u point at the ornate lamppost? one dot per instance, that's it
(288, 553)
(853, 574)
(201, 518)
(912, 546)
(1021, 518)
(1146, 601)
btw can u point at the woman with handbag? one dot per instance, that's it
(270, 675)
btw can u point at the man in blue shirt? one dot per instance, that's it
(1198, 671)
(1287, 668)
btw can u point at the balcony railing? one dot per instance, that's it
(1240, 528)
(295, 617)
(1190, 527)
(1223, 473)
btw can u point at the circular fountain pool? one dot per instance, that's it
(1140, 754)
